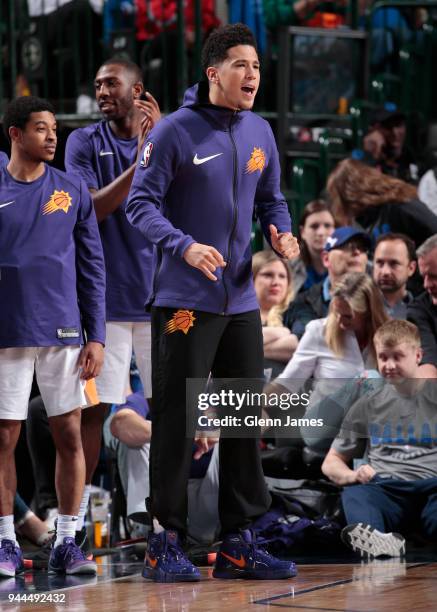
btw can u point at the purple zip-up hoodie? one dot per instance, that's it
(203, 171)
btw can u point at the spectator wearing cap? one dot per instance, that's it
(394, 263)
(384, 145)
(423, 310)
(345, 251)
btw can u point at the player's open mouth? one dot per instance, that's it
(248, 89)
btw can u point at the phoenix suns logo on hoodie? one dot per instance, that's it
(257, 161)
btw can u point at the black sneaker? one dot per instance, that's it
(39, 559)
(81, 540)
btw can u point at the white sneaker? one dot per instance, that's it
(370, 542)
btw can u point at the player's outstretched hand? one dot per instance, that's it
(205, 258)
(284, 243)
(204, 445)
(90, 360)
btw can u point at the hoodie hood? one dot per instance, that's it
(197, 97)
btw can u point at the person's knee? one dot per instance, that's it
(355, 494)
(66, 433)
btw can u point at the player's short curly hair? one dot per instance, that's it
(215, 49)
(18, 112)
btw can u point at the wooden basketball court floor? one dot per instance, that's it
(381, 585)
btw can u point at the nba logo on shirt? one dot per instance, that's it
(146, 155)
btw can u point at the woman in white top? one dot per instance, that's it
(339, 346)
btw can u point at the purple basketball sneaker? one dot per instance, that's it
(68, 558)
(240, 557)
(165, 560)
(11, 559)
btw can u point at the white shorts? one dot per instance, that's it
(57, 375)
(121, 339)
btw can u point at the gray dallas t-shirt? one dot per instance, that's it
(398, 432)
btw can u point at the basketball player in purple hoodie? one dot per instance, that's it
(52, 321)
(204, 170)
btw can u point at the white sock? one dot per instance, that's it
(7, 530)
(66, 528)
(83, 507)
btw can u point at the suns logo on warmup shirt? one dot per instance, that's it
(182, 320)
(59, 200)
(257, 161)
(146, 155)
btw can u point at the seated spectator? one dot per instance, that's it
(394, 262)
(384, 145)
(339, 346)
(315, 225)
(313, 13)
(345, 251)
(377, 202)
(423, 310)
(274, 289)
(128, 431)
(396, 486)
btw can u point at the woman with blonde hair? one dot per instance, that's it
(339, 346)
(377, 202)
(274, 291)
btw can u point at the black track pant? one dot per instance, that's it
(228, 346)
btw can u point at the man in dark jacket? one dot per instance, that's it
(203, 170)
(345, 251)
(423, 310)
